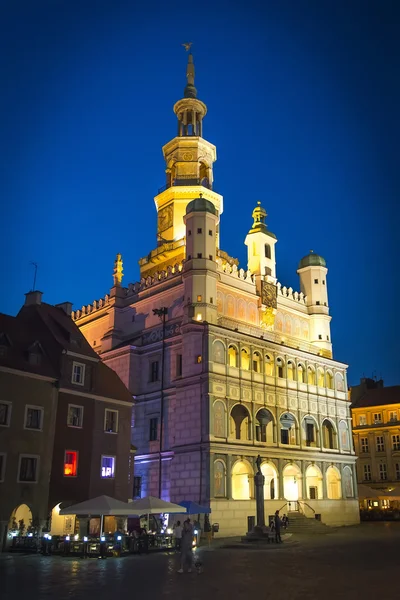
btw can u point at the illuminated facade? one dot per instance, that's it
(376, 433)
(246, 367)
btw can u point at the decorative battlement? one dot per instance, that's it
(289, 293)
(233, 270)
(131, 290)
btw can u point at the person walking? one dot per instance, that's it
(178, 535)
(186, 547)
(284, 522)
(208, 529)
(277, 523)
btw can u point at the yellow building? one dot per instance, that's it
(225, 362)
(376, 433)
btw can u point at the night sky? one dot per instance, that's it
(303, 105)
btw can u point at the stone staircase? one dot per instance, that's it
(299, 523)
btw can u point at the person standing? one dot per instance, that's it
(277, 523)
(186, 546)
(208, 529)
(178, 535)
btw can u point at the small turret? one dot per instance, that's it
(260, 244)
(118, 270)
(312, 270)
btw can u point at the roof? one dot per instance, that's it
(312, 260)
(379, 397)
(201, 205)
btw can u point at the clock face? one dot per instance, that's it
(269, 294)
(187, 156)
(165, 218)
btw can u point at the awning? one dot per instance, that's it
(102, 505)
(153, 506)
(192, 508)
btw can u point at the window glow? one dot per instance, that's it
(199, 317)
(71, 463)
(107, 467)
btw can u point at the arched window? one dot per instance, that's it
(310, 432)
(344, 435)
(218, 352)
(333, 483)
(329, 380)
(288, 428)
(245, 359)
(329, 437)
(288, 325)
(269, 365)
(314, 484)
(219, 419)
(278, 322)
(264, 426)
(232, 356)
(267, 249)
(271, 481)
(256, 362)
(311, 376)
(290, 370)
(242, 476)
(301, 373)
(321, 378)
(240, 422)
(279, 366)
(339, 382)
(219, 479)
(292, 479)
(348, 487)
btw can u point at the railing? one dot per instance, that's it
(301, 509)
(186, 181)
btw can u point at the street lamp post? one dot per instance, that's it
(161, 313)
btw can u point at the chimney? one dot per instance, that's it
(32, 298)
(66, 307)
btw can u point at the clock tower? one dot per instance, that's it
(189, 160)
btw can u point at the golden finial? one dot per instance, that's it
(187, 46)
(118, 268)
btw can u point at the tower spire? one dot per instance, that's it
(190, 90)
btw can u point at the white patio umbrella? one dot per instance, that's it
(102, 506)
(154, 506)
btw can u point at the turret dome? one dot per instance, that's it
(201, 205)
(312, 260)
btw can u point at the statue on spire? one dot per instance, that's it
(190, 90)
(187, 46)
(118, 268)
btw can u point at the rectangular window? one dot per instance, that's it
(199, 230)
(108, 467)
(33, 417)
(284, 436)
(364, 445)
(111, 421)
(382, 472)
(323, 282)
(378, 418)
(315, 280)
(34, 358)
(28, 468)
(154, 371)
(362, 420)
(318, 303)
(199, 255)
(190, 232)
(78, 373)
(179, 365)
(393, 415)
(210, 256)
(153, 434)
(71, 463)
(137, 487)
(320, 337)
(396, 442)
(199, 298)
(210, 232)
(380, 444)
(75, 415)
(199, 359)
(310, 437)
(5, 414)
(397, 465)
(2, 466)
(367, 472)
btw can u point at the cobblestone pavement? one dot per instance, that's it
(352, 563)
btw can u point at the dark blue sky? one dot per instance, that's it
(303, 100)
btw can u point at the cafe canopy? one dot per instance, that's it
(154, 506)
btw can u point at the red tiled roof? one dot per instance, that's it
(379, 397)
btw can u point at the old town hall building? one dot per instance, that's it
(226, 363)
